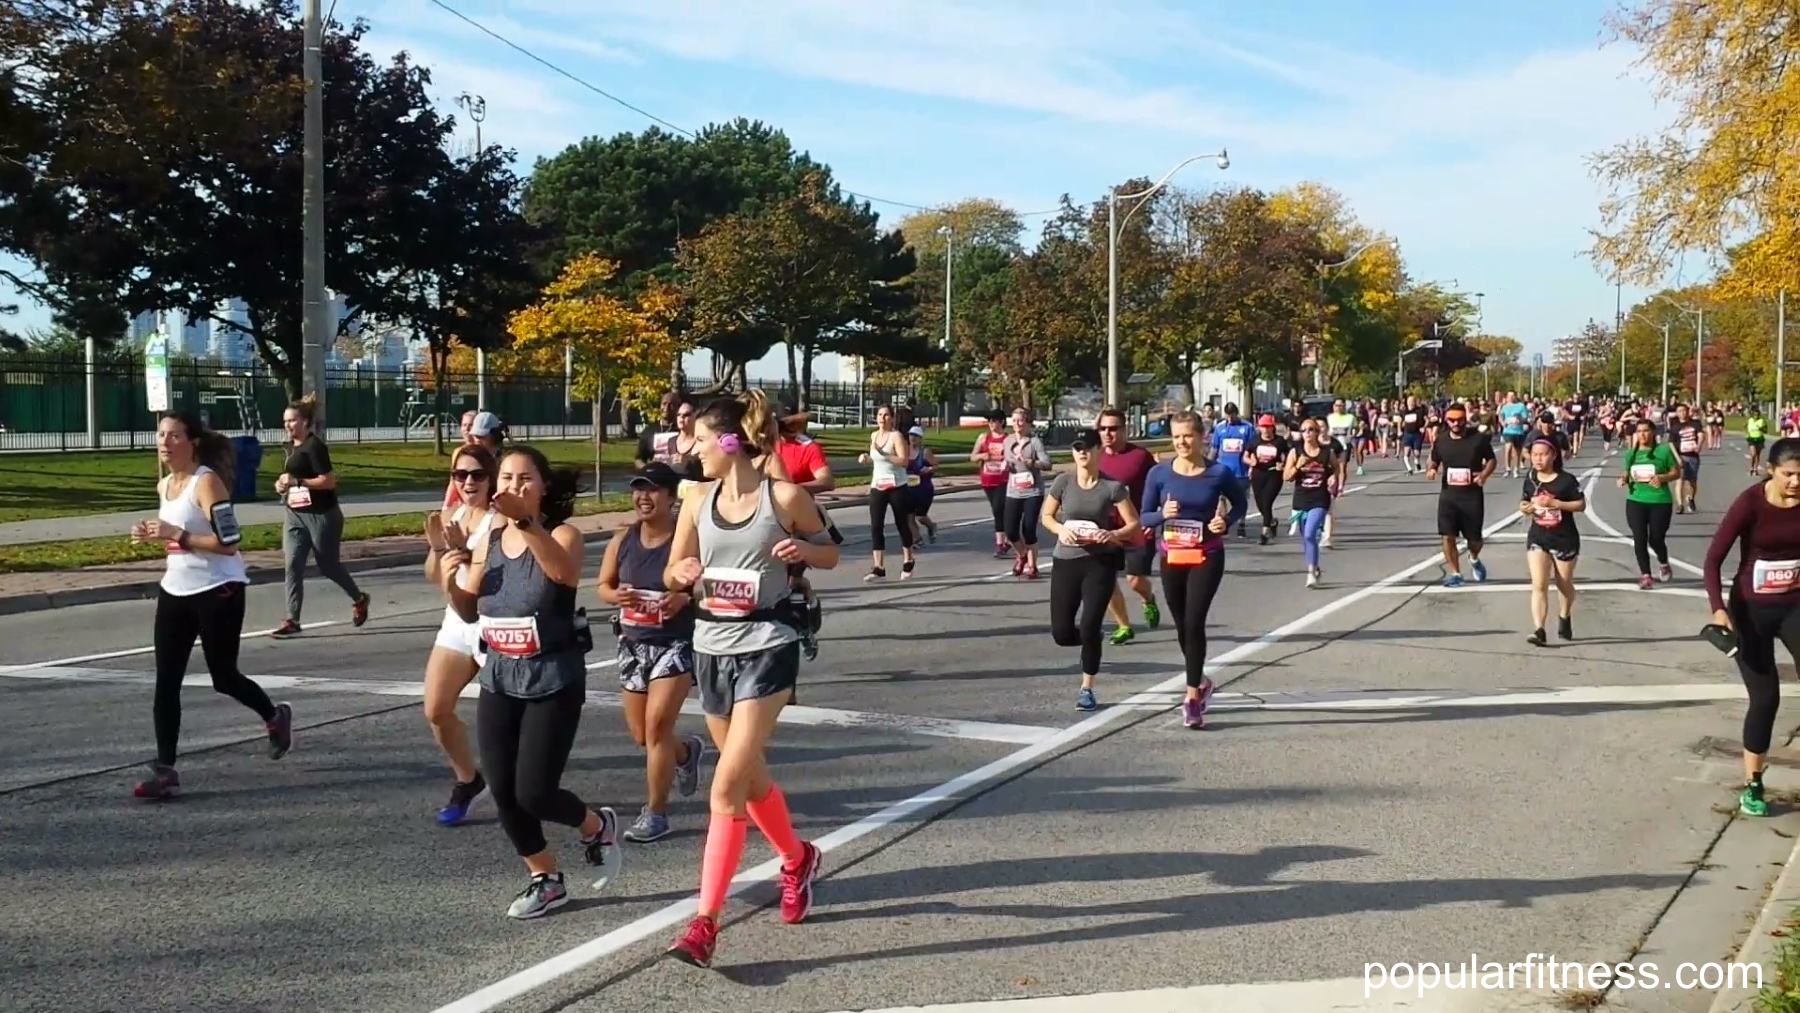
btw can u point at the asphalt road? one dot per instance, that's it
(1392, 774)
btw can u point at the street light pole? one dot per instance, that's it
(1113, 225)
(313, 320)
(476, 107)
(1665, 385)
(949, 235)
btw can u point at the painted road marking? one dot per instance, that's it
(1600, 522)
(1342, 995)
(670, 918)
(1403, 700)
(1515, 586)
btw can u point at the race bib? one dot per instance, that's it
(1411, 418)
(1084, 531)
(1265, 453)
(992, 467)
(1384, 421)
(1232, 446)
(646, 610)
(1180, 534)
(664, 444)
(515, 638)
(885, 482)
(1690, 445)
(1459, 476)
(726, 591)
(912, 480)
(1024, 481)
(1545, 516)
(1775, 576)
(299, 496)
(1643, 472)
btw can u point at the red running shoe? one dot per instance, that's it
(797, 885)
(695, 947)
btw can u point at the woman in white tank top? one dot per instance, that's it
(886, 458)
(202, 592)
(456, 654)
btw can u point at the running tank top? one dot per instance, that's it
(189, 571)
(641, 567)
(739, 577)
(475, 538)
(917, 467)
(528, 625)
(886, 474)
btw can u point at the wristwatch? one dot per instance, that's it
(523, 523)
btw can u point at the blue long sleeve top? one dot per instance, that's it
(1197, 495)
(1229, 441)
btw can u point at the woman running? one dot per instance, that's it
(1312, 467)
(1026, 460)
(1267, 456)
(1764, 526)
(202, 592)
(479, 429)
(314, 522)
(456, 655)
(520, 586)
(887, 458)
(655, 630)
(1191, 503)
(733, 544)
(1092, 518)
(1550, 500)
(1651, 470)
(990, 453)
(1756, 430)
(920, 491)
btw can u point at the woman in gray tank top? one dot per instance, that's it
(655, 630)
(733, 544)
(520, 586)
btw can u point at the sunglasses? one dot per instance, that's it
(464, 475)
(1107, 429)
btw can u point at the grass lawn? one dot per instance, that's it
(35, 486)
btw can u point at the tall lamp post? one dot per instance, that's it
(1113, 224)
(314, 319)
(949, 235)
(476, 107)
(1699, 315)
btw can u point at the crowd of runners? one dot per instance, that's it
(706, 587)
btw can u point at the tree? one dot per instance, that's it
(1360, 277)
(1724, 167)
(1502, 358)
(975, 222)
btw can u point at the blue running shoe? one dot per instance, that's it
(1480, 572)
(462, 799)
(1454, 580)
(1084, 700)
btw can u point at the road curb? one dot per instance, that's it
(1760, 947)
(142, 590)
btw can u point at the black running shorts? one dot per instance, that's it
(1460, 515)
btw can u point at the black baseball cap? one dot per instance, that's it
(1085, 439)
(657, 475)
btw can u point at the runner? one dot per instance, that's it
(1229, 440)
(1129, 464)
(1650, 470)
(479, 429)
(1764, 528)
(1026, 460)
(990, 453)
(887, 458)
(803, 460)
(1311, 466)
(1687, 436)
(1466, 461)
(520, 585)
(1550, 500)
(1715, 427)
(657, 442)
(1756, 430)
(655, 632)
(1515, 417)
(1093, 520)
(1334, 485)
(1268, 454)
(1574, 423)
(920, 466)
(1342, 426)
(314, 523)
(456, 654)
(733, 543)
(201, 594)
(1412, 435)
(1191, 504)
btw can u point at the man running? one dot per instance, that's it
(1686, 435)
(1466, 461)
(1515, 417)
(1229, 440)
(1412, 434)
(1129, 464)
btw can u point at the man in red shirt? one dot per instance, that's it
(804, 461)
(1129, 464)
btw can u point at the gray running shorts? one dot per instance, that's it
(726, 679)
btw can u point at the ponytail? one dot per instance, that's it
(307, 407)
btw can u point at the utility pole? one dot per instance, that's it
(476, 107)
(1780, 350)
(315, 324)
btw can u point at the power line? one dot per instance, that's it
(609, 96)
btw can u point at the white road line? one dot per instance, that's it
(133, 651)
(823, 717)
(673, 916)
(1342, 995)
(1679, 592)
(1360, 700)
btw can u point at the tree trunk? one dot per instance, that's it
(599, 413)
(787, 338)
(803, 397)
(440, 358)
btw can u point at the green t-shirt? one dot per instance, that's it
(1755, 426)
(1662, 458)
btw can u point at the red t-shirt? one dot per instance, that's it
(1130, 466)
(802, 458)
(993, 470)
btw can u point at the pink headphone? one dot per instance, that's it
(730, 443)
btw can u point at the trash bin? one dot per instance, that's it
(249, 457)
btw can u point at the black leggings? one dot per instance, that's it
(996, 497)
(216, 617)
(880, 500)
(1649, 523)
(1265, 486)
(1022, 519)
(524, 746)
(1081, 586)
(1190, 591)
(1758, 628)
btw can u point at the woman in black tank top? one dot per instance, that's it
(655, 630)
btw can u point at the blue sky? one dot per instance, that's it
(1459, 128)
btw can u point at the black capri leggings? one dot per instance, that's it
(996, 497)
(1758, 628)
(1265, 487)
(1649, 523)
(880, 501)
(1190, 590)
(216, 617)
(1022, 519)
(524, 746)
(1081, 587)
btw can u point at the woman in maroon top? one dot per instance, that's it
(1764, 526)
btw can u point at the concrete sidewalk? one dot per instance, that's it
(33, 592)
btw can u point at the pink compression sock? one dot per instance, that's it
(771, 815)
(724, 846)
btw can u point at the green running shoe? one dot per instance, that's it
(1152, 614)
(1122, 635)
(1750, 800)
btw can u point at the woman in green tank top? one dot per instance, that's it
(1650, 467)
(1756, 429)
